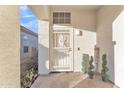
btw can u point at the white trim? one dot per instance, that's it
(59, 68)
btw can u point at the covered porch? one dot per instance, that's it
(89, 19)
(71, 80)
(89, 26)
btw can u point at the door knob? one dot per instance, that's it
(114, 42)
(70, 49)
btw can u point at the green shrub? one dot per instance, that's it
(91, 68)
(82, 65)
(28, 79)
(104, 68)
(85, 63)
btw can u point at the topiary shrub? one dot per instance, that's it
(104, 68)
(85, 63)
(91, 68)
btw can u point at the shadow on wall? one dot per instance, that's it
(59, 57)
(44, 58)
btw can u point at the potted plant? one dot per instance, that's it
(104, 68)
(91, 68)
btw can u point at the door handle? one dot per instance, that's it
(114, 42)
(70, 49)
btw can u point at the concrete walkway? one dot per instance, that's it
(70, 80)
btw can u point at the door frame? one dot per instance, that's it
(51, 47)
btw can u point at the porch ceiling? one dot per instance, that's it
(41, 11)
(77, 7)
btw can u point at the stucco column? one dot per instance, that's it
(43, 47)
(9, 46)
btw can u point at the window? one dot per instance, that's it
(61, 18)
(26, 49)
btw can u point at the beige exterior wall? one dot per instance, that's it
(106, 16)
(41, 11)
(80, 19)
(9, 46)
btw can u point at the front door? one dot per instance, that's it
(62, 49)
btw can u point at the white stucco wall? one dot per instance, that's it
(86, 43)
(43, 46)
(118, 37)
(106, 16)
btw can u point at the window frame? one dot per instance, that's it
(61, 17)
(26, 49)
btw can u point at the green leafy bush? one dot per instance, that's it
(104, 70)
(91, 68)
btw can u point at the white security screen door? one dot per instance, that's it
(62, 49)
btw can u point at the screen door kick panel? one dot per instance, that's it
(62, 50)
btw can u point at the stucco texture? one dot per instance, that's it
(105, 17)
(9, 46)
(85, 19)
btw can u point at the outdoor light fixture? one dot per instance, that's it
(78, 32)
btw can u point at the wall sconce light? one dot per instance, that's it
(78, 32)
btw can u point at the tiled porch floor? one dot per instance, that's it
(70, 80)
